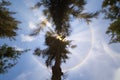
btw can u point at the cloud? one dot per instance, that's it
(22, 76)
(84, 36)
(101, 63)
(98, 66)
(18, 48)
(27, 38)
(117, 74)
(31, 25)
(29, 3)
(37, 71)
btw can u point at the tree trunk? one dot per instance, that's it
(56, 69)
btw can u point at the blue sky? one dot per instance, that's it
(92, 59)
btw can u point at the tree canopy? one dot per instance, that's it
(55, 53)
(111, 8)
(8, 57)
(8, 27)
(8, 24)
(60, 13)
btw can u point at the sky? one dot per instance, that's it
(92, 59)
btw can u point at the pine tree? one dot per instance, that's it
(8, 24)
(60, 13)
(111, 8)
(8, 27)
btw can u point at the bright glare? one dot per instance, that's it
(60, 38)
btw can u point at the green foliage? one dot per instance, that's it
(111, 8)
(8, 57)
(8, 24)
(61, 12)
(56, 52)
(55, 48)
(8, 27)
(114, 31)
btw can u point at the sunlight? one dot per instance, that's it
(60, 38)
(81, 61)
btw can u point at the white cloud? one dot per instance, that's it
(98, 66)
(32, 25)
(29, 3)
(22, 76)
(84, 36)
(18, 48)
(117, 74)
(27, 38)
(38, 71)
(101, 63)
(41, 17)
